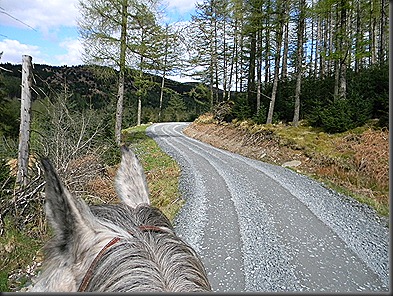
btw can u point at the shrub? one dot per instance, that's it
(241, 109)
(337, 117)
(223, 112)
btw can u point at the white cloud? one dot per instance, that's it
(13, 51)
(39, 14)
(181, 5)
(74, 50)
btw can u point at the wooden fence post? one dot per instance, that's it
(25, 115)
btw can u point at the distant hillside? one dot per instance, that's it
(95, 86)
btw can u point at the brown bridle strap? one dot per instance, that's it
(93, 264)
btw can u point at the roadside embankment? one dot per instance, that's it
(355, 162)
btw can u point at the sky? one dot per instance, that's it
(47, 29)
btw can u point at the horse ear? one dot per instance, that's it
(131, 185)
(66, 214)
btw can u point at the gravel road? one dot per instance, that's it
(260, 227)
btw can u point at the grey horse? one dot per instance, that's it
(124, 247)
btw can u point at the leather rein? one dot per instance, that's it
(113, 241)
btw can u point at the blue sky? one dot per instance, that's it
(47, 31)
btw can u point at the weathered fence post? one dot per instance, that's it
(25, 114)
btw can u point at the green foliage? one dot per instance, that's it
(11, 86)
(95, 87)
(337, 117)
(7, 181)
(367, 98)
(371, 85)
(241, 110)
(9, 106)
(16, 251)
(260, 117)
(200, 95)
(176, 109)
(10, 113)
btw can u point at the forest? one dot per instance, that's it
(317, 63)
(325, 62)
(293, 60)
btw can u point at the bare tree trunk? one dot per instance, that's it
(373, 34)
(122, 64)
(284, 73)
(342, 92)
(381, 49)
(164, 72)
(312, 49)
(276, 66)
(259, 69)
(139, 115)
(299, 61)
(336, 78)
(330, 30)
(236, 56)
(318, 47)
(25, 114)
(139, 119)
(358, 35)
(161, 95)
(337, 47)
(274, 90)
(215, 53)
(234, 48)
(141, 82)
(251, 73)
(322, 61)
(225, 61)
(119, 108)
(267, 47)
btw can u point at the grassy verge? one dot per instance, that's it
(17, 251)
(162, 172)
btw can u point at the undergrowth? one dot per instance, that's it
(17, 250)
(19, 245)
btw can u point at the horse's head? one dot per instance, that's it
(129, 246)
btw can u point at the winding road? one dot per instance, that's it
(260, 227)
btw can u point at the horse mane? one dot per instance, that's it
(123, 247)
(146, 261)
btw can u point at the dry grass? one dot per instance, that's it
(355, 162)
(363, 166)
